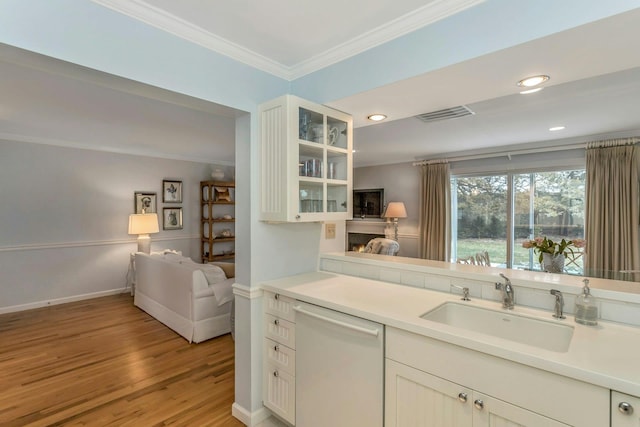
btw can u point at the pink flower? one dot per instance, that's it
(579, 243)
(538, 241)
(528, 244)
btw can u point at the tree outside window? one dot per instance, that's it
(544, 204)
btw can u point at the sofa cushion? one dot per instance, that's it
(229, 268)
(177, 258)
(217, 282)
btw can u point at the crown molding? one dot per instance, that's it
(428, 14)
(412, 21)
(172, 24)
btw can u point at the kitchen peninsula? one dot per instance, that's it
(481, 375)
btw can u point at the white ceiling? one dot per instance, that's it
(288, 38)
(594, 89)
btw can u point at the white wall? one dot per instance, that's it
(65, 216)
(401, 183)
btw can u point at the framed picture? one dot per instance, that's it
(172, 219)
(172, 191)
(145, 202)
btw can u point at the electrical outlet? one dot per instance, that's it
(330, 231)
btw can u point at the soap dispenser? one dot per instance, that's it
(586, 307)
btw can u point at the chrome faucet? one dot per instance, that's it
(508, 295)
(559, 304)
(465, 292)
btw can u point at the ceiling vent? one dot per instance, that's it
(446, 114)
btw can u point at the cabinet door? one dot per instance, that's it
(490, 412)
(414, 398)
(306, 161)
(625, 410)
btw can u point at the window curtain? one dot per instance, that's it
(612, 207)
(435, 211)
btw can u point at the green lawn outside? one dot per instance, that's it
(497, 250)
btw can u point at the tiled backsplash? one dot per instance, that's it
(531, 292)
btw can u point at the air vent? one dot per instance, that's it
(446, 114)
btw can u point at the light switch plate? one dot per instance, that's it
(330, 231)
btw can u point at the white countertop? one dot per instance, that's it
(606, 355)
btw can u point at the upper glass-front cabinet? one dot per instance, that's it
(306, 161)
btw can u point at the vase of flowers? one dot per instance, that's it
(551, 255)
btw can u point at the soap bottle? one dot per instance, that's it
(586, 307)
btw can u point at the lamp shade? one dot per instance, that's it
(395, 210)
(143, 223)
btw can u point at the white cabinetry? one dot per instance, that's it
(415, 398)
(625, 410)
(279, 357)
(306, 161)
(424, 379)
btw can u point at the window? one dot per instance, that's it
(496, 213)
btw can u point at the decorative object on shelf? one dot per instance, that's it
(171, 191)
(143, 225)
(226, 233)
(145, 202)
(333, 135)
(552, 263)
(172, 219)
(217, 174)
(551, 255)
(222, 194)
(217, 221)
(394, 211)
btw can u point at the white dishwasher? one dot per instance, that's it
(339, 369)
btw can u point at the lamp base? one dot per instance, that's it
(144, 243)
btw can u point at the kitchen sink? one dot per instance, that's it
(548, 335)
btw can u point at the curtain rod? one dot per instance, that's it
(507, 154)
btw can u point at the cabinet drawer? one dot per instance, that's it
(280, 356)
(279, 306)
(279, 392)
(280, 330)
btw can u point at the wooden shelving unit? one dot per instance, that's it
(212, 222)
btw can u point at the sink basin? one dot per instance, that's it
(549, 335)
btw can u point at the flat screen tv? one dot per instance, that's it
(368, 203)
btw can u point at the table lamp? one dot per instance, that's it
(143, 225)
(395, 210)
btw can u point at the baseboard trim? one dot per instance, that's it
(47, 303)
(247, 418)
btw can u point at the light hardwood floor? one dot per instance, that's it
(104, 362)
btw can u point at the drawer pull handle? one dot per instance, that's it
(276, 348)
(276, 322)
(276, 297)
(479, 404)
(625, 408)
(275, 374)
(462, 397)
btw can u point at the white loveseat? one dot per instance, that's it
(192, 299)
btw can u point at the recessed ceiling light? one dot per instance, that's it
(534, 90)
(556, 128)
(533, 80)
(376, 117)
